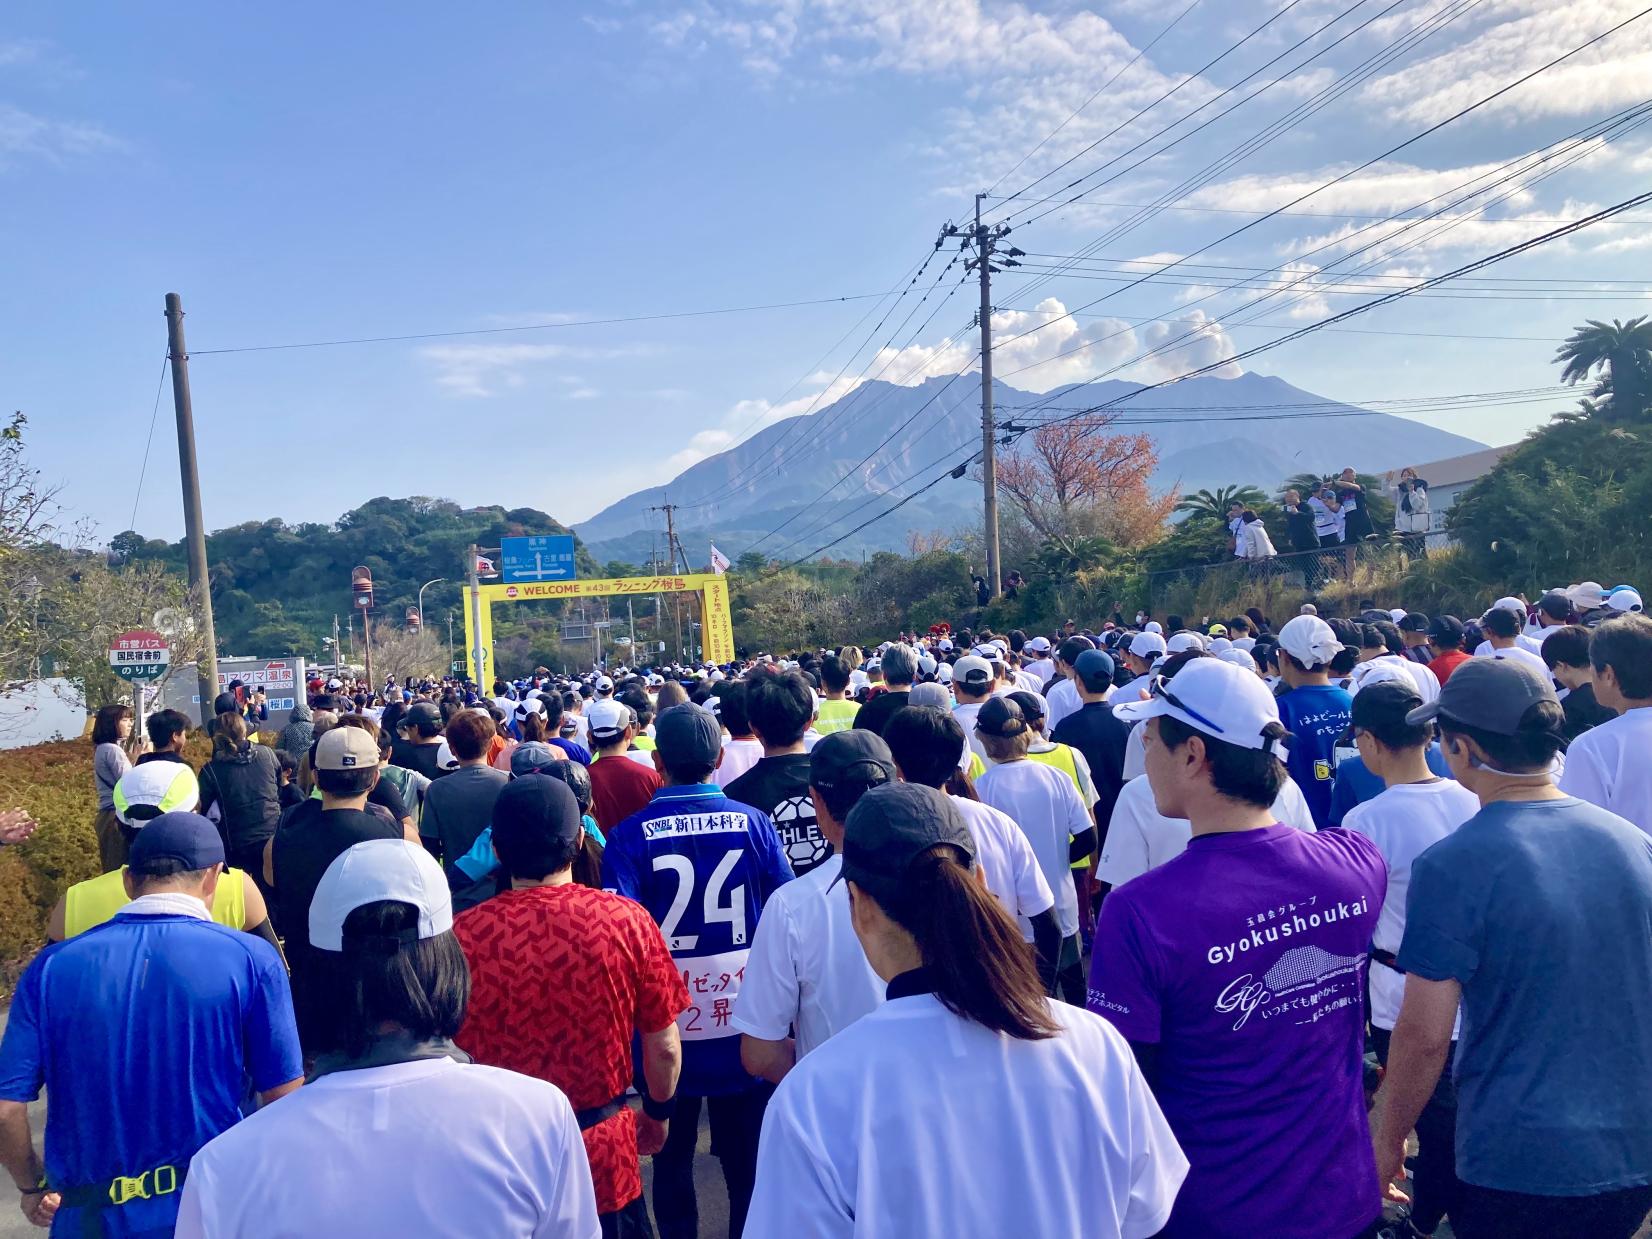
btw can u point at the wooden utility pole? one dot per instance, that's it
(674, 552)
(200, 582)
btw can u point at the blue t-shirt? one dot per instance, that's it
(704, 866)
(575, 752)
(1315, 715)
(1355, 784)
(1542, 911)
(145, 1030)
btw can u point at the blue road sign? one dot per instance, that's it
(543, 558)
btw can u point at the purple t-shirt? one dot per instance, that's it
(1244, 961)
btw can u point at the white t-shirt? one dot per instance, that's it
(1140, 838)
(739, 756)
(1135, 753)
(1026, 681)
(1043, 668)
(1046, 806)
(1404, 822)
(806, 966)
(1520, 654)
(430, 1148)
(1008, 863)
(965, 712)
(582, 729)
(1611, 766)
(1532, 645)
(1059, 702)
(952, 1129)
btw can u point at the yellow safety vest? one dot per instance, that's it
(836, 716)
(977, 767)
(1061, 758)
(90, 903)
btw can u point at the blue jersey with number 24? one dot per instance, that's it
(704, 866)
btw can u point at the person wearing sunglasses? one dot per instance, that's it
(1237, 972)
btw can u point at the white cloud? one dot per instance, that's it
(26, 135)
(479, 370)
(1611, 74)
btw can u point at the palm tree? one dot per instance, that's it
(1619, 355)
(1214, 504)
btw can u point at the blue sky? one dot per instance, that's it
(324, 172)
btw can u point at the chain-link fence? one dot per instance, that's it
(1283, 581)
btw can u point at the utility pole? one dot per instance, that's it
(450, 641)
(200, 582)
(674, 551)
(338, 653)
(985, 241)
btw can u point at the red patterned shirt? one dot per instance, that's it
(561, 976)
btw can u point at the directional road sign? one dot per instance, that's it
(548, 557)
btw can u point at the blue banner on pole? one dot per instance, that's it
(548, 557)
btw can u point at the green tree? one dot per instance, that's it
(1619, 356)
(751, 562)
(1214, 504)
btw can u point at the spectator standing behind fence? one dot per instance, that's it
(1299, 523)
(1356, 521)
(1327, 515)
(1253, 541)
(1411, 512)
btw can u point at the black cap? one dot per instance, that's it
(853, 756)
(225, 703)
(688, 735)
(424, 717)
(890, 827)
(1000, 716)
(1032, 705)
(180, 838)
(1414, 621)
(530, 815)
(1555, 605)
(576, 776)
(1446, 626)
(1384, 704)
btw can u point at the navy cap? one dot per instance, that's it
(1095, 668)
(530, 817)
(890, 827)
(688, 735)
(1000, 716)
(532, 756)
(176, 839)
(1448, 626)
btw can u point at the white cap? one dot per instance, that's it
(1624, 599)
(1148, 645)
(1309, 640)
(932, 695)
(1185, 641)
(146, 791)
(926, 664)
(1505, 604)
(531, 705)
(1220, 645)
(371, 872)
(607, 718)
(444, 756)
(989, 651)
(973, 671)
(1381, 671)
(1240, 659)
(1247, 644)
(1039, 645)
(1397, 614)
(1215, 698)
(944, 645)
(604, 684)
(1587, 596)
(1153, 626)
(943, 673)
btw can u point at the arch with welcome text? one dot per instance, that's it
(717, 632)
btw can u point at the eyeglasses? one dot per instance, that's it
(1161, 689)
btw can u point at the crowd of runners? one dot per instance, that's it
(1248, 927)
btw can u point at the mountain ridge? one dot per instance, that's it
(1208, 432)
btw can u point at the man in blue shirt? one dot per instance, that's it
(144, 1029)
(703, 866)
(1531, 919)
(1313, 710)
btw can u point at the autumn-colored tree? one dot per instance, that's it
(1073, 480)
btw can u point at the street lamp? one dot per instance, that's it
(422, 588)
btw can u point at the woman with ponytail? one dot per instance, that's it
(969, 1103)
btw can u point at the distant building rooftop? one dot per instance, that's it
(1455, 470)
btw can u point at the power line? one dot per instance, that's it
(1391, 151)
(1130, 64)
(1344, 215)
(1212, 266)
(1499, 256)
(493, 331)
(148, 441)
